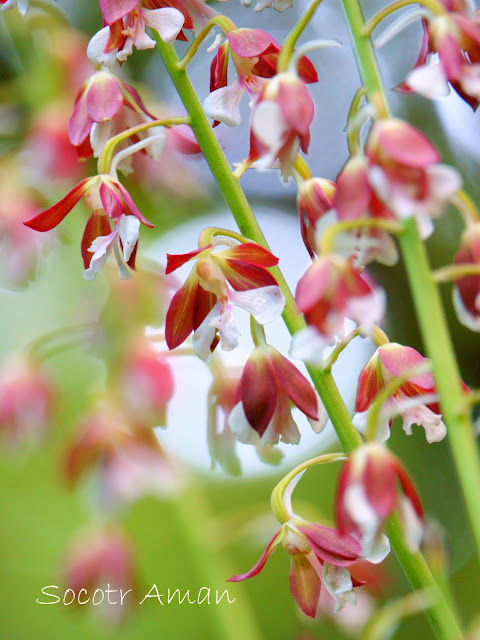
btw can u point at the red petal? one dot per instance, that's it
(219, 68)
(409, 489)
(379, 484)
(258, 390)
(254, 571)
(49, 218)
(305, 585)
(136, 99)
(97, 225)
(330, 546)
(399, 359)
(111, 201)
(251, 252)
(344, 522)
(314, 283)
(180, 314)
(175, 261)
(243, 275)
(294, 384)
(368, 384)
(306, 70)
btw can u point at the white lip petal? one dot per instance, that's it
(360, 510)
(309, 345)
(429, 81)
(100, 133)
(167, 22)
(239, 425)
(96, 48)
(101, 248)
(128, 228)
(368, 310)
(338, 582)
(204, 335)
(265, 304)
(376, 549)
(224, 104)
(268, 125)
(444, 181)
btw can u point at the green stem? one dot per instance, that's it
(456, 271)
(291, 40)
(433, 326)
(432, 5)
(415, 566)
(438, 344)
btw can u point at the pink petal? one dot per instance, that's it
(113, 10)
(405, 144)
(104, 97)
(353, 194)
(111, 201)
(49, 218)
(297, 105)
(254, 571)
(127, 198)
(249, 43)
(398, 359)
(305, 585)
(80, 122)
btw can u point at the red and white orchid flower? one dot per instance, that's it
(126, 22)
(270, 385)
(332, 290)
(367, 494)
(281, 119)
(399, 177)
(107, 200)
(205, 303)
(415, 401)
(254, 54)
(318, 555)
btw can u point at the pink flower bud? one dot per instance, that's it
(315, 197)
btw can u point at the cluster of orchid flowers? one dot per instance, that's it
(395, 175)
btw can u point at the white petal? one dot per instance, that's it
(127, 48)
(435, 429)
(443, 182)
(338, 582)
(308, 345)
(281, 5)
(412, 525)
(227, 329)
(360, 510)
(96, 48)
(167, 22)
(269, 126)
(464, 316)
(128, 228)
(22, 6)
(265, 304)
(204, 335)
(376, 549)
(100, 133)
(368, 310)
(319, 425)
(224, 104)
(239, 425)
(429, 81)
(101, 248)
(425, 225)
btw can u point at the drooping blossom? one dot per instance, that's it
(205, 303)
(254, 54)
(124, 459)
(145, 383)
(449, 55)
(400, 176)
(332, 290)
(318, 555)
(415, 401)
(281, 119)
(270, 385)
(466, 293)
(314, 198)
(101, 558)
(368, 493)
(108, 200)
(98, 105)
(222, 444)
(126, 24)
(27, 402)
(22, 5)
